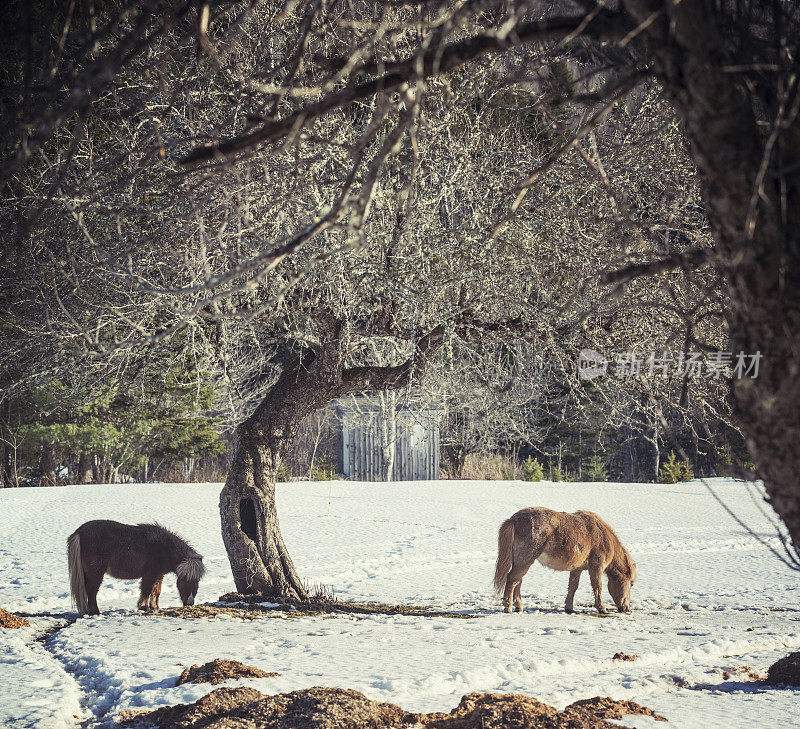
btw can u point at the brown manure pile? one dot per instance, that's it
(611, 708)
(220, 670)
(743, 673)
(9, 620)
(333, 708)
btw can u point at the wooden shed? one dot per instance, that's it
(413, 435)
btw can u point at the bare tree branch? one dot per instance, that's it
(437, 61)
(685, 259)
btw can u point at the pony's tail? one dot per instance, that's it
(505, 544)
(77, 583)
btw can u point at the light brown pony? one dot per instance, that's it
(568, 542)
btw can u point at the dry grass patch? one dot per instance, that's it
(251, 612)
(252, 607)
(490, 467)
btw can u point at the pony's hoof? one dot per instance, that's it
(506, 609)
(569, 610)
(602, 612)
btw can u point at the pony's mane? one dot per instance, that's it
(191, 566)
(622, 560)
(176, 541)
(622, 564)
(191, 569)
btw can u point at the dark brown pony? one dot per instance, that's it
(560, 541)
(128, 552)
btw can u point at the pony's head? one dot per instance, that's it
(189, 572)
(621, 577)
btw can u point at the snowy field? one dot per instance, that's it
(709, 597)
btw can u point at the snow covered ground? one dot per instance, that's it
(709, 597)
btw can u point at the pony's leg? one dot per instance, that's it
(93, 579)
(574, 578)
(596, 576)
(155, 593)
(513, 587)
(145, 589)
(507, 593)
(518, 596)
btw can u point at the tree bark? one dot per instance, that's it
(388, 425)
(456, 455)
(7, 468)
(259, 559)
(47, 465)
(84, 474)
(656, 447)
(751, 186)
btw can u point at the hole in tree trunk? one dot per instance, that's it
(247, 518)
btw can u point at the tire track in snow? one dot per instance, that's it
(34, 674)
(96, 683)
(101, 687)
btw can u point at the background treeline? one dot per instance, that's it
(172, 425)
(159, 429)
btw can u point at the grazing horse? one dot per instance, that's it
(129, 552)
(568, 542)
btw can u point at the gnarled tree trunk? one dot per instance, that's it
(259, 559)
(750, 176)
